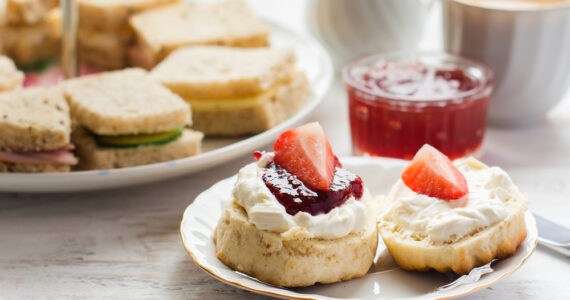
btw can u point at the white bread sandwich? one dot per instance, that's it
(104, 35)
(127, 119)
(111, 15)
(27, 12)
(161, 31)
(10, 77)
(35, 131)
(104, 49)
(235, 91)
(452, 216)
(296, 217)
(29, 45)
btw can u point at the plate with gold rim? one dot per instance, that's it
(312, 59)
(384, 279)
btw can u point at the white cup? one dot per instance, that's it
(526, 43)
(357, 27)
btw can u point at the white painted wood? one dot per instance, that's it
(125, 243)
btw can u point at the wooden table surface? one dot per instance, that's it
(125, 243)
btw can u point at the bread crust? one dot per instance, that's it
(497, 241)
(33, 168)
(93, 157)
(292, 262)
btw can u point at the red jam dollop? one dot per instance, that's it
(296, 197)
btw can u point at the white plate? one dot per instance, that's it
(384, 280)
(311, 59)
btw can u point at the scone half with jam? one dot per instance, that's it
(452, 216)
(126, 118)
(296, 217)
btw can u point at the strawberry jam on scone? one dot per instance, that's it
(452, 216)
(297, 217)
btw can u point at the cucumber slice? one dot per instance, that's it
(137, 140)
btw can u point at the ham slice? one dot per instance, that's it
(61, 156)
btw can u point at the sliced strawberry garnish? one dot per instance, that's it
(305, 152)
(431, 173)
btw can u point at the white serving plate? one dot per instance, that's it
(311, 59)
(385, 280)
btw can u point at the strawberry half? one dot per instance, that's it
(431, 173)
(305, 152)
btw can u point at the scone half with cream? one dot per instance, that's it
(452, 216)
(296, 217)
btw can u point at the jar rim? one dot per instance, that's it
(481, 72)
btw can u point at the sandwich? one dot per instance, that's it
(29, 45)
(104, 35)
(235, 91)
(126, 118)
(35, 131)
(110, 15)
(10, 77)
(107, 50)
(27, 12)
(161, 31)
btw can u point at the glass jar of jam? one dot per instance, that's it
(400, 101)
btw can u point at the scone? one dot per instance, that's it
(437, 220)
(283, 224)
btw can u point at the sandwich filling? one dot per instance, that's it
(423, 217)
(241, 102)
(138, 140)
(61, 156)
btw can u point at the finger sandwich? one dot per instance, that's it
(235, 91)
(126, 118)
(29, 45)
(161, 31)
(27, 12)
(35, 131)
(104, 35)
(10, 77)
(110, 15)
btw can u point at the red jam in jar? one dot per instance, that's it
(397, 103)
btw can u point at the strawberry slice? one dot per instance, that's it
(431, 173)
(305, 152)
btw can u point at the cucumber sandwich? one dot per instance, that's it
(126, 118)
